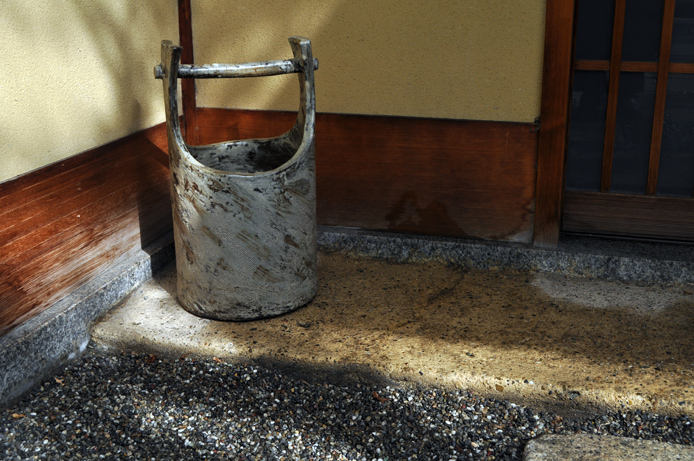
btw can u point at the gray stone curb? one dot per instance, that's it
(36, 348)
(585, 257)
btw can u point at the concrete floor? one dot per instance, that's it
(570, 344)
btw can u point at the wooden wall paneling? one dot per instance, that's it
(554, 118)
(35, 185)
(65, 223)
(70, 185)
(37, 215)
(218, 125)
(629, 215)
(46, 277)
(46, 231)
(425, 176)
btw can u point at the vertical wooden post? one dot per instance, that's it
(660, 94)
(556, 85)
(613, 93)
(185, 33)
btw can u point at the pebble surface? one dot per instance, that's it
(139, 406)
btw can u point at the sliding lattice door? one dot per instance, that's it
(630, 154)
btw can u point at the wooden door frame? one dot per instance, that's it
(641, 216)
(554, 121)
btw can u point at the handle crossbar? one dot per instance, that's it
(250, 69)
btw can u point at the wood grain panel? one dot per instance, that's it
(65, 223)
(629, 215)
(425, 176)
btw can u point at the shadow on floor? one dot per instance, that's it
(515, 334)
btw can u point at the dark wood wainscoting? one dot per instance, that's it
(63, 224)
(415, 175)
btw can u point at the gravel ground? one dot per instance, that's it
(144, 407)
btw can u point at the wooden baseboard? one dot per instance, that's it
(65, 223)
(413, 175)
(629, 215)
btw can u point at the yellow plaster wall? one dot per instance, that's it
(77, 74)
(461, 59)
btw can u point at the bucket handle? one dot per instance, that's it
(250, 69)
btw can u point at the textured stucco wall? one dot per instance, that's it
(76, 74)
(462, 59)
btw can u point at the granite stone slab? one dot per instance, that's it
(621, 260)
(39, 346)
(603, 447)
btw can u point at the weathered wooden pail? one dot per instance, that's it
(244, 211)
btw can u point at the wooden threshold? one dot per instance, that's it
(413, 175)
(629, 215)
